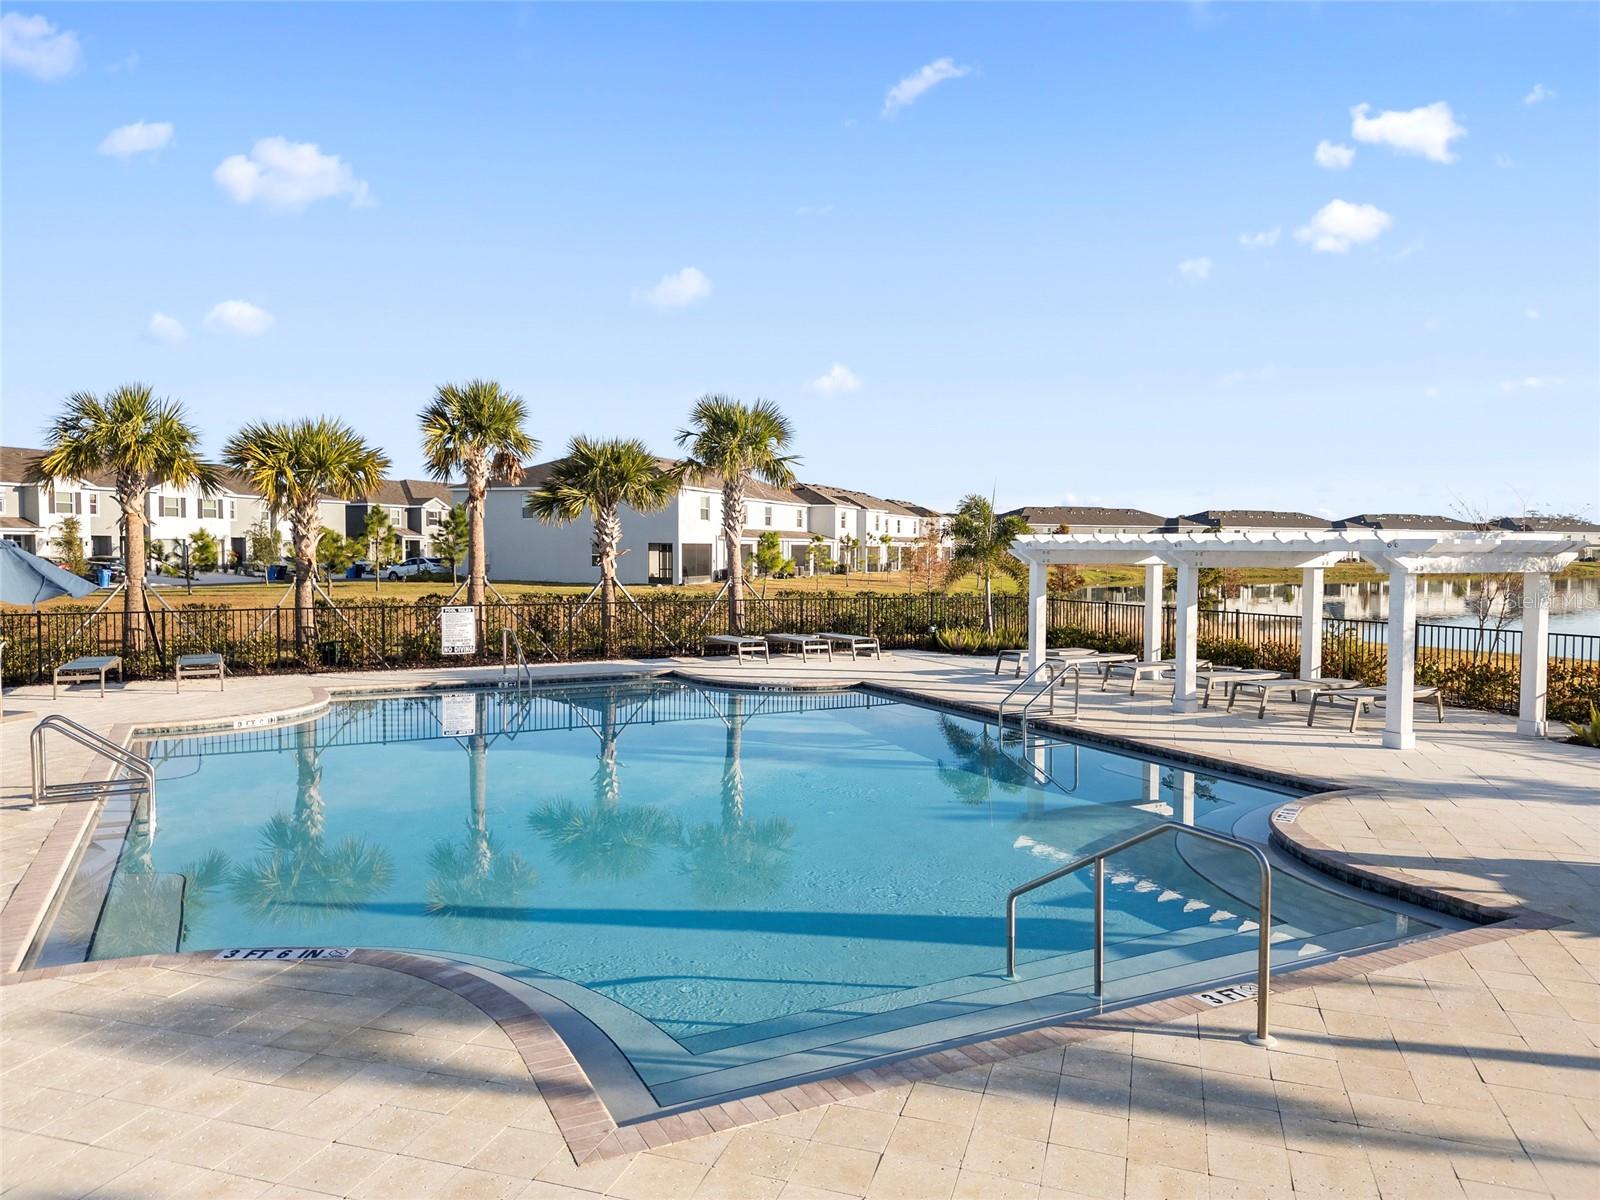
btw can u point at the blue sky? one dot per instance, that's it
(1028, 275)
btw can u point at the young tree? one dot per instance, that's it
(817, 556)
(68, 545)
(1064, 577)
(983, 548)
(769, 553)
(143, 443)
(382, 542)
(887, 542)
(204, 551)
(264, 543)
(476, 428)
(927, 554)
(451, 538)
(848, 546)
(737, 443)
(599, 477)
(292, 465)
(335, 552)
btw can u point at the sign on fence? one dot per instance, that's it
(458, 630)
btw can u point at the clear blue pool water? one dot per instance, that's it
(729, 876)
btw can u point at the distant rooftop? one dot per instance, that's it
(1247, 518)
(1382, 521)
(1078, 518)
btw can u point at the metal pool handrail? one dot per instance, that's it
(1000, 715)
(1098, 859)
(84, 736)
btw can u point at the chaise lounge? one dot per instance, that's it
(200, 666)
(738, 646)
(803, 644)
(1362, 698)
(857, 644)
(86, 668)
(1268, 687)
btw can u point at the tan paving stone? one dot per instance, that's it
(725, 1183)
(834, 1168)
(929, 1141)
(337, 1169)
(651, 1177)
(911, 1179)
(1084, 1172)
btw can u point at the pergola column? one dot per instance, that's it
(1186, 631)
(1152, 612)
(1535, 653)
(1038, 611)
(1398, 730)
(1311, 623)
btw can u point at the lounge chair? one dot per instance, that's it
(1362, 698)
(1098, 662)
(1228, 678)
(90, 666)
(1017, 656)
(857, 644)
(200, 666)
(739, 647)
(1148, 670)
(1267, 687)
(803, 644)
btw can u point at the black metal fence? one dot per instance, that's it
(1476, 667)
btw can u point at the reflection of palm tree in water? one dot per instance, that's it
(981, 764)
(736, 859)
(472, 873)
(604, 841)
(297, 877)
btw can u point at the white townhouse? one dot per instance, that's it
(683, 543)
(31, 514)
(872, 533)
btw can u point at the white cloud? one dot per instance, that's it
(1532, 383)
(167, 329)
(677, 290)
(1195, 269)
(911, 89)
(1338, 225)
(1261, 241)
(1334, 156)
(839, 378)
(1431, 393)
(1427, 131)
(240, 317)
(138, 138)
(1533, 314)
(1504, 161)
(289, 175)
(1539, 95)
(35, 47)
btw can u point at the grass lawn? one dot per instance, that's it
(263, 595)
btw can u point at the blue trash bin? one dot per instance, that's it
(277, 573)
(103, 576)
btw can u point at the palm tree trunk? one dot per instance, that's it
(477, 568)
(988, 604)
(732, 528)
(135, 606)
(733, 766)
(478, 773)
(607, 535)
(303, 529)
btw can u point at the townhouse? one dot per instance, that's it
(417, 509)
(684, 543)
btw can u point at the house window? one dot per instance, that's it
(210, 509)
(527, 504)
(94, 503)
(874, 520)
(767, 516)
(897, 524)
(435, 517)
(396, 516)
(230, 510)
(844, 521)
(705, 508)
(2, 504)
(65, 503)
(799, 518)
(172, 506)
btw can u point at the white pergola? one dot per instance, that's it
(1403, 555)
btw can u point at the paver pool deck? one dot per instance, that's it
(1461, 1066)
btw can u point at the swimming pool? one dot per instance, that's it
(736, 887)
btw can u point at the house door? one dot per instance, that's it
(660, 562)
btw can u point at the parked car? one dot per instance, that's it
(414, 566)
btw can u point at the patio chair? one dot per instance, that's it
(1147, 670)
(87, 667)
(857, 644)
(803, 644)
(738, 646)
(1362, 698)
(1017, 656)
(1228, 678)
(200, 666)
(1267, 688)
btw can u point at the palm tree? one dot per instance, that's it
(737, 443)
(604, 841)
(736, 859)
(477, 428)
(600, 477)
(298, 878)
(983, 548)
(143, 443)
(292, 465)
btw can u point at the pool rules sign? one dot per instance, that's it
(458, 630)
